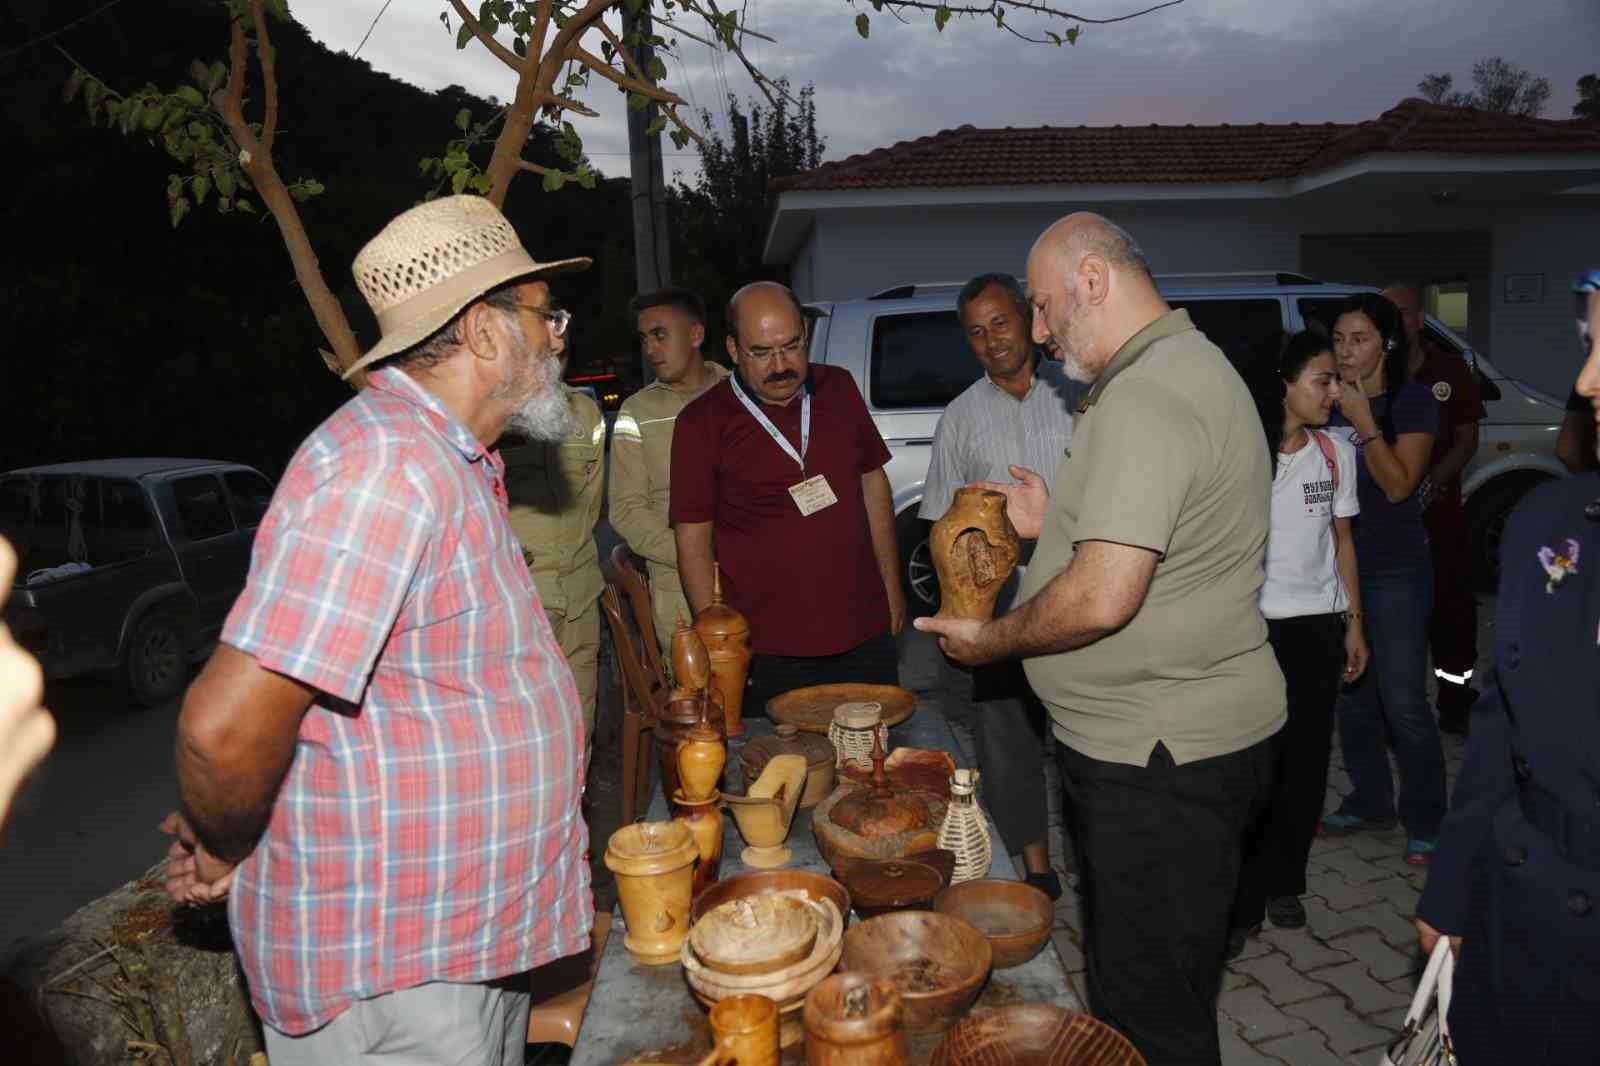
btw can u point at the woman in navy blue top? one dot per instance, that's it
(1392, 423)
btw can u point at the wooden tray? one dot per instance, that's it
(811, 708)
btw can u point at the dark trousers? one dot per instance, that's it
(1453, 627)
(876, 662)
(1159, 850)
(1310, 652)
(1006, 722)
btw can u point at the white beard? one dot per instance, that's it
(547, 417)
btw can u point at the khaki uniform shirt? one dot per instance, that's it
(641, 487)
(554, 493)
(1167, 454)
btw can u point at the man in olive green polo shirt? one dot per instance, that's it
(1141, 632)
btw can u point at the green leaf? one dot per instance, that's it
(174, 186)
(940, 16)
(217, 76)
(586, 178)
(176, 209)
(463, 35)
(657, 124)
(199, 73)
(191, 96)
(999, 17)
(224, 205)
(481, 183)
(152, 117)
(74, 83)
(606, 50)
(1072, 34)
(863, 25)
(637, 101)
(463, 119)
(314, 187)
(658, 69)
(520, 47)
(202, 185)
(246, 206)
(227, 185)
(458, 181)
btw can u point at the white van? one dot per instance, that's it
(910, 358)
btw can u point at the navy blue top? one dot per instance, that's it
(1390, 536)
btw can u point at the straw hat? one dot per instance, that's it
(432, 261)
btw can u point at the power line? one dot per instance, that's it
(372, 27)
(24, 46)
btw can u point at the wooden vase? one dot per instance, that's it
(678, 718)
(654, 866)
(704, 820)
(700, 756)
(726, 634)
(852, 1019)
(975, 548)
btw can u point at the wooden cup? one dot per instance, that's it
(745, 1029)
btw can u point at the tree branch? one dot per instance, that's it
(531, 167)
(500, 51)
(569, 104)
(633, 85)
(267, 57)
(1036, 7)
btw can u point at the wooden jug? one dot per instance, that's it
(726, 634)
(974, 549)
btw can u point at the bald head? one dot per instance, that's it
(1408, 299)
(767, 340)
(1091, 290)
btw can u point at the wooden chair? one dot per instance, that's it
(644, 694)
(633, 581)
(561, 990)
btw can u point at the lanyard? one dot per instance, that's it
(772, 431)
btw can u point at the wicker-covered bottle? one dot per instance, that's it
(965, 830)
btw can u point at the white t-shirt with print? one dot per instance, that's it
(1302, 577)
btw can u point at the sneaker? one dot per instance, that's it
(1339, 823)
(1237, 938)
(1048, 883)
(1419, 852)
(1286, 912)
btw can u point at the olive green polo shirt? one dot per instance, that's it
(1167, 454)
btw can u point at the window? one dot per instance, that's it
(1241, 328)
(1322, 311)
(126, 530)
(1447, 301)
(202, 510)
(251, 494)
(919, 360)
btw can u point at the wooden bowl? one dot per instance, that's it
(780, 986)
(1033, 1034)
(815, 887)
(1013, 916)
(811, 708)
(883, 886)
(937, 963)
(755, 934)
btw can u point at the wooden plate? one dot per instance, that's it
(811, 708)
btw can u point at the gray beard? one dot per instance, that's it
(548, 416)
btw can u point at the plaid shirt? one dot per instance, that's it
(428, 828)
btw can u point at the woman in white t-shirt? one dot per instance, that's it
(1312, 603)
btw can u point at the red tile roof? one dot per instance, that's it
(1104, 155)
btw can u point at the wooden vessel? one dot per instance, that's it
(855, 1020)
(938, 964)
(1034, 1034)
(965, 829)
(974, 548)
(701, 755)
(789, 740)
(726, 634)
(745, 1029)
(705, 822)
(653, 863)
(755, 935)
(875, 821)
(766, 811)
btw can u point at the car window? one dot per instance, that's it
(919, 360)
(126, 529)
(202, 509)
(251, 493)
(1321, 311)
(1241, 328)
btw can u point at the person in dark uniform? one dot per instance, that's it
(1515, 880)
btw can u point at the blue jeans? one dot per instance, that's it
(1393, 693)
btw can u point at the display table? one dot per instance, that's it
(647, 1013)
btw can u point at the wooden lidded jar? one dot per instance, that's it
(855, 1020)
(726, 634)
(974, 548)
(789, 740)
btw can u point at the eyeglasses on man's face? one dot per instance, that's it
(762, 355)
(559, 318)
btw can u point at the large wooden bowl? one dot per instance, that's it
(755, 934)
(1033, 1034)
(780, 986)
(815, 887)
(1013, 916)
(811, 708)
(937, 963)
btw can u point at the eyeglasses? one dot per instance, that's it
(764, 354)
(559, 319)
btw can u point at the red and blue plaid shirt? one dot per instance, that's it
(429, 827)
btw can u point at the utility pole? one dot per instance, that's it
(652, 254)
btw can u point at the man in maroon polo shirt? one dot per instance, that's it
(1454, 629)
(777, 474)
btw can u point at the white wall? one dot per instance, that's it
(1537, 342)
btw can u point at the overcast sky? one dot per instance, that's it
(1206, 61)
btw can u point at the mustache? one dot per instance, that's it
(782, 375)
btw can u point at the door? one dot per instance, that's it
(213, 551)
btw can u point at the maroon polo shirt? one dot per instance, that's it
(809, 585)
(1450, 379)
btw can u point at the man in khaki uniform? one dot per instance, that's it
(554, 493)
(671, 324)
(1141, 632)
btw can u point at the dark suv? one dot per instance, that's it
(128, 566)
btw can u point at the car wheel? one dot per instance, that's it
(1487, 511)
(156, 666)
(918, 577)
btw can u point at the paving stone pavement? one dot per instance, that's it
(1334, 992)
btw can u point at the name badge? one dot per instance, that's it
(812, 495)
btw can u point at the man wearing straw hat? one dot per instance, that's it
(380, 765)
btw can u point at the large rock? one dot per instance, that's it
(131, 978)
